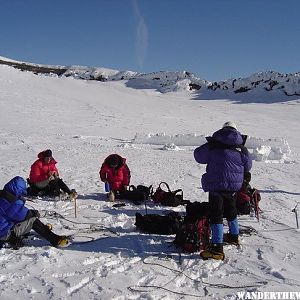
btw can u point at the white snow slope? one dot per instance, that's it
(83, 122)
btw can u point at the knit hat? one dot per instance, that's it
(230, 124)
(48, 153)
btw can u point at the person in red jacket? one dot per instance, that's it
(44, 177)
(116, 173)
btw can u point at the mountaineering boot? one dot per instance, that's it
(111, 196)
(15, 242)
(62, 242)
(50, 227)
(73, 194)
(232, 239)
(215, 251)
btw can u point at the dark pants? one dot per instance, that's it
(52, 189)
(222, 205)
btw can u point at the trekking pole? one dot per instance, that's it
(75, 206)
(296, 214)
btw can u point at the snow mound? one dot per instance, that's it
(267, 150)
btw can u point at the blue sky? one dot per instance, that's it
(214, 39)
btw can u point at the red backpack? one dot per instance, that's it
(193, 236)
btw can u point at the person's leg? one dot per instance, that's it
(230, 212)
(216, 208)
(216, 219)
(63, 186)
(44, 231)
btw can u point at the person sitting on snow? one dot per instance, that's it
(227, 160)
(44, 177)
(16, 220)
(116, 173)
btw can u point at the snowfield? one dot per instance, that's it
(83, 122)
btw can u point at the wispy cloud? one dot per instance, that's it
(141, 35)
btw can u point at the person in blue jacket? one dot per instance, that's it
(227, 160)
(16, 220)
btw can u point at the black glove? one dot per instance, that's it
(32, 213)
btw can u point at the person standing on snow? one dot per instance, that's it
(116, 173)
(44, 177)
(227, 160)
(16, 220)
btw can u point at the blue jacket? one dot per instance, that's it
(227, 160)
(12, 209)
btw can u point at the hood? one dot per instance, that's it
(117, 156)
(228, 136)
(41, 156)
(16, 186)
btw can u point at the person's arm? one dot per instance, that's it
(201, 154)
(8, 196)
(126, 175)
(103, 172)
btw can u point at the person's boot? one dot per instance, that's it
(15, 242)
(73, 195)
(232, 239)
(111, 196)
(215, 251)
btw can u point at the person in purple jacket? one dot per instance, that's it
(227, 160)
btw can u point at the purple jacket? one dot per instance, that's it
(227, 160)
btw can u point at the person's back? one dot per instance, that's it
(227, 160)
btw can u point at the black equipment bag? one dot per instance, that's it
(157, 224)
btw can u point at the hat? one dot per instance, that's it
(230, 124)
(48, 153)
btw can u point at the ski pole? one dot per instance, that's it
(296, 214)
(75, 204)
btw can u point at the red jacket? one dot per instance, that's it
(116, 177)
(40, 170)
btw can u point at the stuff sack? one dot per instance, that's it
(168, 198)
(193, 235)
(137, 194)
(153, 223)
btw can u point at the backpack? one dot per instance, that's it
(168, 198)
(247, 199)
(137, 194)
(194, 234)
(153, 223)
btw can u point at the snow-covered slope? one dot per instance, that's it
(165, 81)
(82, 122)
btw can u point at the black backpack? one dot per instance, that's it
(157, 224)
(168, 198)
(137, 194)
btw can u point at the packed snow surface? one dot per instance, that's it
(83, 122)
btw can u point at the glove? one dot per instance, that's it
(33, 213)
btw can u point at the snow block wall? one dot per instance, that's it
(266, 150)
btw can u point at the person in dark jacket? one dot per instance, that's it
(227, 160)
(44, 177)
(116, 173)
(16, 220)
